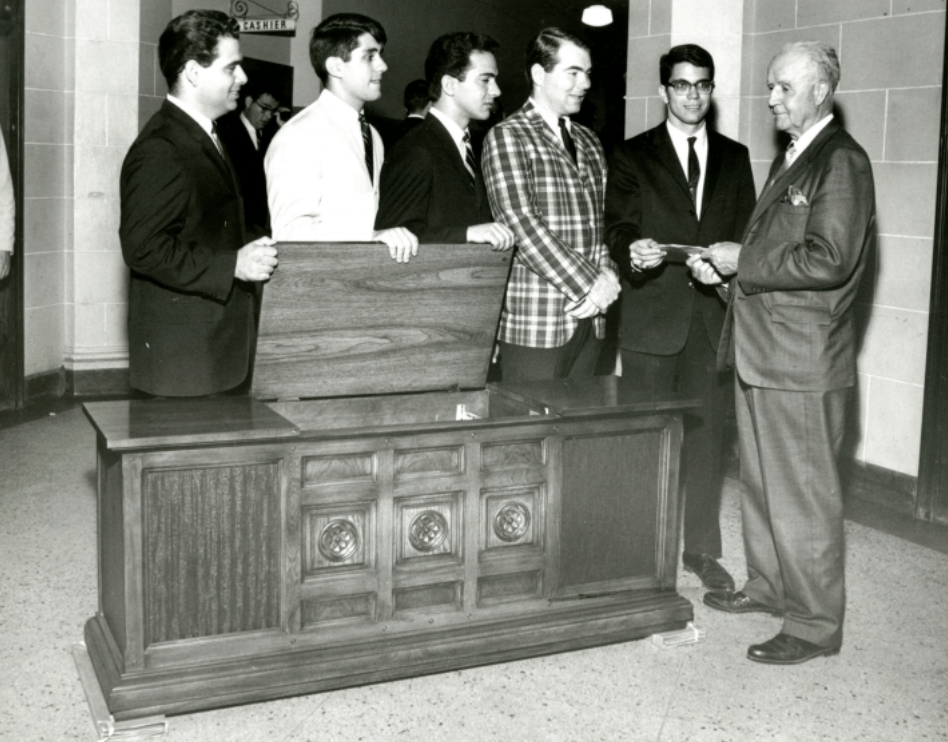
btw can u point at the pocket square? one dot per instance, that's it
(795, 197)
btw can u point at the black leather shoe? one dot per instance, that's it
(784, 649)
(737, 603)
(712, 575)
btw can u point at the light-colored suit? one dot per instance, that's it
(790, 333)
(317, 182)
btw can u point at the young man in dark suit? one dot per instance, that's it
(791, 338)
(431, 182)
(190, 306)
(680, 184)
(241, 132)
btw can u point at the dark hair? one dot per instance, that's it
(337, 36)
(256, 89)
(451, 55)
(415, 97)
(684, 53)
(193, 35)
(543, 49)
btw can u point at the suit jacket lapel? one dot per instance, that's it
(669, 158)
(193, 129)
(712, 169)
(778, 181)
(448, 144)
(552, 137)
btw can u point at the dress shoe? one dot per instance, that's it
(784, 649)
(737, 603)
(712, 575)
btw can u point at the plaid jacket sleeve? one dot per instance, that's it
(554, 218)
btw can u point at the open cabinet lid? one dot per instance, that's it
(343, 319)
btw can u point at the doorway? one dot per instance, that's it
(11, 126)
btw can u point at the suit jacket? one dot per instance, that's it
(190, 323)
(554, 208)
(247, 161)
(426, 187)
(790, 319)
(647, 196)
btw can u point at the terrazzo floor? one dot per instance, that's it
(890, 682)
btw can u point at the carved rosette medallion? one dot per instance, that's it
(338, 540)
(428, 530)
(511, 522)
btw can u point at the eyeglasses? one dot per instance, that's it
(683, 87)
(266, 109)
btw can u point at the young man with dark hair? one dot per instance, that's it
(323, 165)
(431, 182)
(546, 178)
(680, 184)
(190, 306)
(241, 131)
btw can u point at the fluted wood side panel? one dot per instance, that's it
(212, 550)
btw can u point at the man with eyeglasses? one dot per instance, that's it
(680, 184)
(241, 134)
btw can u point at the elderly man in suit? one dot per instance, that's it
(190, 305)
(241, 133)
(790, 334)
(680, 184)
(323, 165)
(546, 178)
(431, 182)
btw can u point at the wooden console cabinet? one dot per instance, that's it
(335, 536)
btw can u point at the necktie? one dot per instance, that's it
(367, 142)
(567, 140)
(791, 155)
(469, 158)
(694, 170)
(217, 141)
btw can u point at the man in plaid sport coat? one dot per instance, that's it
(546, 179)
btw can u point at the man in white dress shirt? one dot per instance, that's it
(323, 166)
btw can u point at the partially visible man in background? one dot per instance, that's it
(190, 305)
(7, 212)
(241, 132)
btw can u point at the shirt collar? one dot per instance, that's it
(677, 135)
(810, 134)
(338, 106)
(203, 121)
(456, 132)
(552, 120)
(251, 129)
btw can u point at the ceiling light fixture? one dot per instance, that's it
(597, 15)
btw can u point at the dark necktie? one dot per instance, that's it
(216, 139)
(469, 158)
(567, 140)
(694, 170)
(367, 142)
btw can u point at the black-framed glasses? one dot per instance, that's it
(266, 109)
(683, 87)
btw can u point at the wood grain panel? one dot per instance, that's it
(429, 528)
(338, 538)
(512, 455)
(339, 469)
(609, 509)
(212, 550)
(349, 609)
(425, 461)
(512, 518)
(508, 588)
(442, 597)
(344, 319)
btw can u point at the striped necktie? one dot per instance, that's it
(367, 143)
(469, 162)
(216, 139)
